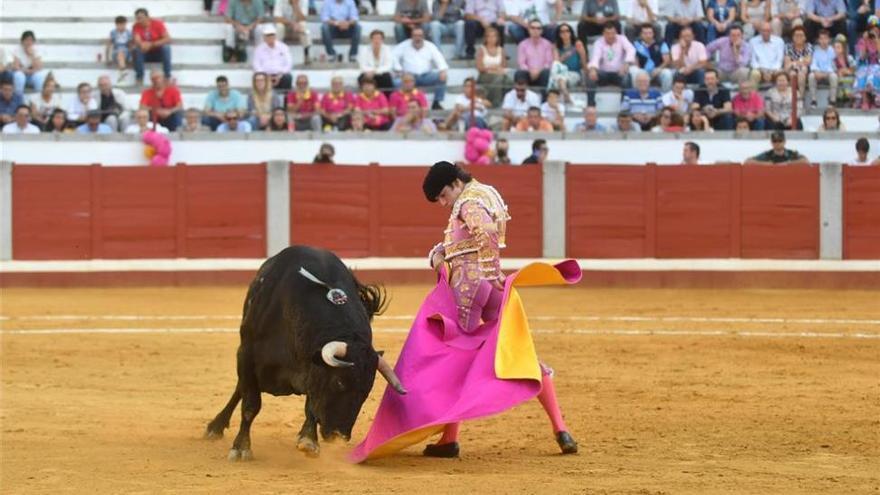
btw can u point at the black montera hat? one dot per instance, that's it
(439, 176)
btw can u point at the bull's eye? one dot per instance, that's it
(339, 384)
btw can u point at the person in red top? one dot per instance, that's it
(302, 106)
(749, 105)
(336, 106)
(373, 105)
(400, 99)
(151, 44)
(163, 102)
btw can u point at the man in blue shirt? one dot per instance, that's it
(93, 124)
(642, 102)
(652, 57)
(590, 123)
(234, 123)
(9, 101)
(221, 100)
(825, 14)
(822, 68)
(339, 19)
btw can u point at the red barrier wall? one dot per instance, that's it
(381, 211)
(861, 212)
(82, 212)
(716, 211)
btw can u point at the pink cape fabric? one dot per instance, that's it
(449, 375)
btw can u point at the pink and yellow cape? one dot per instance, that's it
(452, 376)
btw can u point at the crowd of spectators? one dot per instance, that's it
(689, 66)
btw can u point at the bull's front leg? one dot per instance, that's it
(307, 441)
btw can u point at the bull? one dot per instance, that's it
(305, 330)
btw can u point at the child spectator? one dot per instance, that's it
(278, 122)
(845, 65)
(822, 69)
(553, 110)
(118, 46)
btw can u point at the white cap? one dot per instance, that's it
(268, 29)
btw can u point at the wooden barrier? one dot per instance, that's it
(861, 212)
(83, 212)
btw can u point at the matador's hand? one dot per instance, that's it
(498, 283)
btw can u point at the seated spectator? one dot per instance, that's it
(643, 12)
(533, 122)
(43, 103)
(734, 56)
(290, 25)
(221, 100)
(748, 105)
(57, 122)
(469, 99)
(827, 14)
(117, 48)
(502, 157)
(642, 102)
(142, 124)
(778, 107)
(9, 102)
(337, 105)
(652, 58)
(192, 122)
(768, 55)
(591, 122)
(339, 19)
(447, 19)
(721, 14)
(272, 57)
(152, 43)
(232, 122)
(261, 101)
(492, 67)
(610, 60)
(112, 104)
(866, 88)
(27, 64)
(669, 121)
(863, 147)
(278, 122)
(685, 14)
(21, 123)
(690, 155)
(786, 15)
(376, 63)
(624, 123)
(822, 68)
(569, 62)
(302, 106)
(409, 14)
(714, 101)
(325, 154)
(5, 67)
(535, 57)
(399, 99)
(517, 102)
(754, 13)
(357, 122)
(742, 126)
(479, 15)
(163, 102)
(831, 121)
(680, 97)
(81, 104)
(698, 122)
(778, 154)
(93, 124)
(845, 67)
(595, 15)
(798, 57)
(689, 57)
(859, 12)
(374, 105)
(243, 19)
(414, 120)
(518, 25)
(553, 110)
(539, 153)
(423, 60)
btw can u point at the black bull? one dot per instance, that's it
(294, 340)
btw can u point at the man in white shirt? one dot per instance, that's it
(462, 108)
(142, 124)
(768, 53)
(22, 123)
(290, 23)
(81, 104)
(423, 60)
(534, 10)
(273, 57)
(517, 102)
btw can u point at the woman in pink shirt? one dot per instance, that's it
(749, 105)
(336, 106)
(374, 106)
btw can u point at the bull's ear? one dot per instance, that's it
(380, 353)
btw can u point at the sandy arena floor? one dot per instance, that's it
(668, 391)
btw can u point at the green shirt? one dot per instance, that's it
(787, 156)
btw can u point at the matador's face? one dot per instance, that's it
(450, 193)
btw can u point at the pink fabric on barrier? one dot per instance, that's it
(449, 374)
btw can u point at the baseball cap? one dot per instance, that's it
(269, 29)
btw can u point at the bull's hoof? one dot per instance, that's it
(212, 434)
(236, 455)
(308, 446)
(446, 450)
(566, 443)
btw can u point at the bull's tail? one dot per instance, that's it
(221, 421)
(373, 297)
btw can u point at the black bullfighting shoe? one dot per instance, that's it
(566, 443)
(446, 450)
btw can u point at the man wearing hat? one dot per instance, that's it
(273, 58)
(93, 124)
(778, 154)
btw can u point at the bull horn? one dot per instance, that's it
(333, 350)
(391, 377)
